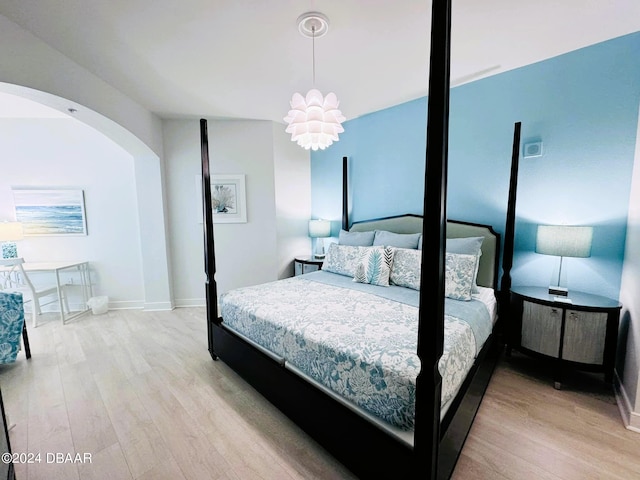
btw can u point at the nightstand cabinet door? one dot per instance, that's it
(541, 328)
(302, 265)
(578, 331)
(584, 336)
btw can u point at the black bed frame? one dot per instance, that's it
(364, 448)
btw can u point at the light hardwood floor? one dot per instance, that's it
(140, 393)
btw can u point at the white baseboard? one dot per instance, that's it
(158, 306)
(127, 305)
(190, 302)
(630, 418)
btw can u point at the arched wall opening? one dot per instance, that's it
(144, 189)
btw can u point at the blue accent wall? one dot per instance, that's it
(582, 105)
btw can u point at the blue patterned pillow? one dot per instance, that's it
(459, 272)
(374, 266)
(342, 259)
(470, 246)
(405, 271)
(459, 275)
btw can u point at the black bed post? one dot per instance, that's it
(345, 195)
(509, 231)
(209, 250)
(431, 315)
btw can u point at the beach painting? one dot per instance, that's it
(50, 212)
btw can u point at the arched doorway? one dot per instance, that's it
(145, 190)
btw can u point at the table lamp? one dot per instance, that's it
(563, 241)
(9, 233)
(319, 229)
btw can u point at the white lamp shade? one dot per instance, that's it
(319, 228)
(564, 241)
(11, 231)
(314, 121)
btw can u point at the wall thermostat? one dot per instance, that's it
(533, 149)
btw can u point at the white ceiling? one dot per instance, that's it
(245, 58)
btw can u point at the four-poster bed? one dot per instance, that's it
(349, 432)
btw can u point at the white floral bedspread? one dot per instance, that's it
(359, 345)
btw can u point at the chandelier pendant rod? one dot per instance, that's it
(313, 55)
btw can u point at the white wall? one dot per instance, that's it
(292, 169)
(64, 153)
(629, 391)
(278, 204)
(68, 153)
(182, 153)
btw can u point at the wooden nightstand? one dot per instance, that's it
(303, 265)
(580, 332)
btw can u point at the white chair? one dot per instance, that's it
(13, 278)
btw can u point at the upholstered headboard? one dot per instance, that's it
(488, 270)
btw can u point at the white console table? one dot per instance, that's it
(79, 270)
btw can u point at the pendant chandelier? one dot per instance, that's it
(314, 121)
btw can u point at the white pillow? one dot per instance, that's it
(374, 266)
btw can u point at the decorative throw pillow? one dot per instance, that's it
(468, 246)
(405, 271)
(374, 266)
(359, 239)
(399, 240)
(459, 274)
(342, 259)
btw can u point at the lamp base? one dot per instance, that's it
(319, 253)
(555, 290)
(9, 250)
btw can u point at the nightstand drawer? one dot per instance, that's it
(541, 326)
(584, 336)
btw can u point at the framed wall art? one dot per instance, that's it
(228, 198)
(50, 211)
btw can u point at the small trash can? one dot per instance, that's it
(98, 305)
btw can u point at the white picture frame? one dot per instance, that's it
(228, 198)
(50, 211)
